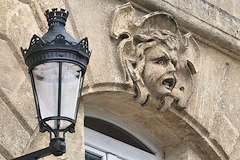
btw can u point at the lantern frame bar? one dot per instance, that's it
(59, 95)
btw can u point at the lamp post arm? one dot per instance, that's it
(56, 147)
(37, 154)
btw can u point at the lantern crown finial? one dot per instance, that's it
(56, 16)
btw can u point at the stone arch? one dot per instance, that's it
(165, 133)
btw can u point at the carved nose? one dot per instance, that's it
(171, 68)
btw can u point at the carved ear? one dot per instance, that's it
(123, 21)
(191, 67)
(188, 62)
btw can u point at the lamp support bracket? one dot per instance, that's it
(56, 147)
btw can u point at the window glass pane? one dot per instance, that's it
(115, 149)
(94, 154)
(90, 156)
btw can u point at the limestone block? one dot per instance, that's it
(215, 103)
(204, 96)
(224, 132)
(235, 155)
(23, 100)
(20, 23)
(182, 152)
(12, 136)
(236, 6)
(217, 87)
(9, 69)
(188, 5)
(39, 7)
(2, 158)
(46, 4)
(213, 15)
(208, 13)
(6, 10)
(15, 86)
(225, 5)
(192, 155)
(92, 19)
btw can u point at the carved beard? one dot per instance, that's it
(160, 90)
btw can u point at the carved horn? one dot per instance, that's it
(123, 21)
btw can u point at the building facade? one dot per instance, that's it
(163, 80)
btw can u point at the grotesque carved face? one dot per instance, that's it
(158, 74)
(148, 53)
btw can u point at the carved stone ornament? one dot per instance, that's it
(157, 59)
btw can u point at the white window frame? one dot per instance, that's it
(96, 152)
(114, 148)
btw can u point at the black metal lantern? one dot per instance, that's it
(57, 64)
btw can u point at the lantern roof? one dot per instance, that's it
(56, 44)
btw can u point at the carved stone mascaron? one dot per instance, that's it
(157, 59)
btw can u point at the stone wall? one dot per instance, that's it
(18, 122)
(230, 6)
(211, 117)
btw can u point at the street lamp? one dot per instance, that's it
(57, 64)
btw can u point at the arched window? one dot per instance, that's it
(106, 141)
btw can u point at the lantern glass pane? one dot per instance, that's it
(46, 78)
(46, 83)
(71, 76)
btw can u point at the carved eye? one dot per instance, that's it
(161, 61)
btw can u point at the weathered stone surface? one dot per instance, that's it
(182, 152)
(17, 90)
(192, 155)
(39, 7)
(23, 100)
(225, 5)
(207, 12)
(219, 33)
(216, 94)
(9, 67)
(235, 155)
(12, 136)
(236, 5)
(2, 158)
(45, 4)
(224, 132)
(214, 104)
(213, 15)
(92, 19)
(17, 25)
(7, 8)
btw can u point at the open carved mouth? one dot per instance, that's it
(169, 83)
